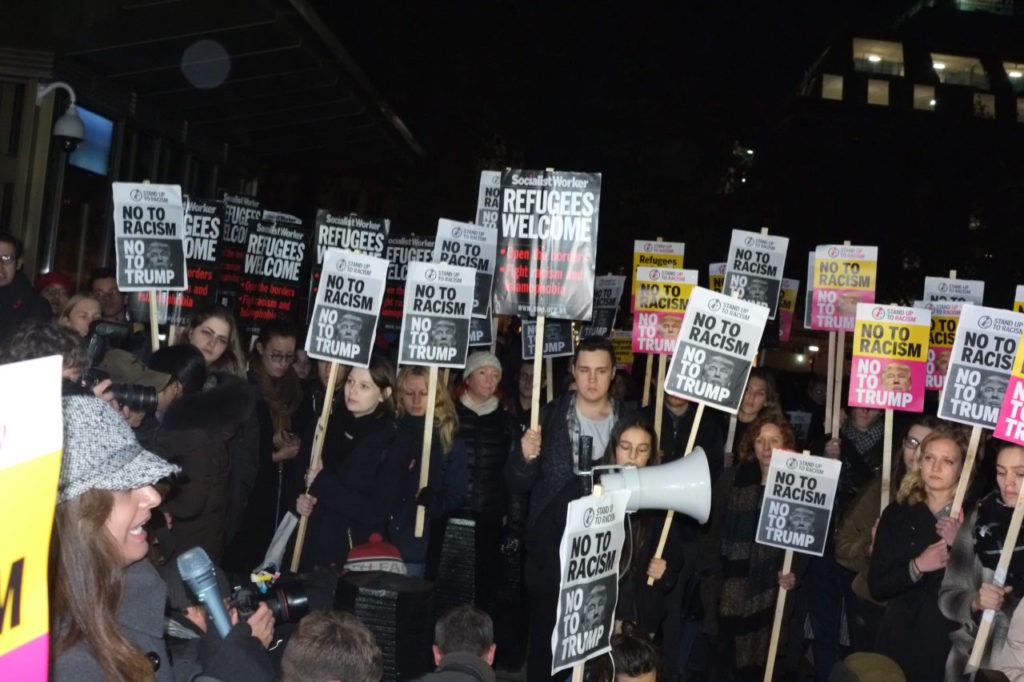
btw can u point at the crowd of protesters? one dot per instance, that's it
(223, 451)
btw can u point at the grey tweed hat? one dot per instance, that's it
(101, 451)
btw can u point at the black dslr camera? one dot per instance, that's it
(104, 335)
(287, 600)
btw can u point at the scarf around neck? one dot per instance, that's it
(481, 409)
(282, 395)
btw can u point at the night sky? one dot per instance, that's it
(653, 95)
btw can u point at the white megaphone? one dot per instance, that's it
(683, 486)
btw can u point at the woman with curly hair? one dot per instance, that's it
(750, 573)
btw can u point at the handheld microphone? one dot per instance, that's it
(198, 572)
(585, 464)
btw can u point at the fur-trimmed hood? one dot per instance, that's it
(224, 407)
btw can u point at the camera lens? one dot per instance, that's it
(135, 396)
(289, 606)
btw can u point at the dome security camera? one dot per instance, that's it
(69, 131)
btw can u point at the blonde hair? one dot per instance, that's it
(446, 421)
(912, 488)
(65, 313)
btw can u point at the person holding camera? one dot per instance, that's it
(195, 432)
(107, 599)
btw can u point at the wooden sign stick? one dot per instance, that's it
(549, 366)
(830, 370)
(154, 322)
(314, 458)
(670, 514)
(780, 608)
(428, 437)
(538, 359)
(886, 460)
(965, 474)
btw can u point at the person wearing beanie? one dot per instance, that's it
(108, 599)
(489, 431)
(56, 289)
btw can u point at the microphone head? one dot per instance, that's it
(195, 564)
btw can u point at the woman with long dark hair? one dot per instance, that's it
(362, 472)
(279, 395)
(214, 332)
(634, 443)
(108, 600)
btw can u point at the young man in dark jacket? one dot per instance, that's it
(546, 467)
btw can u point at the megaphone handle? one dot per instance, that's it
(669, 515)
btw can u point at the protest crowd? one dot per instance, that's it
(200, 443)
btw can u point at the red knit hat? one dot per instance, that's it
(53, 277)
(375, 555)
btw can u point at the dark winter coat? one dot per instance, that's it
(914, 633)
(489, 439)
(461, 667)
(639, 603)
(551, 484)
(140, 616)
(447, 483)
(359, 487)
(19, 302)
(195, 434)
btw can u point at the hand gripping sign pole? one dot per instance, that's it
(690, 443)
(428, 437)
(985, 627)
(314, 458)
(670, 514)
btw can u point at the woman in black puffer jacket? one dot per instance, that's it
(489, 431)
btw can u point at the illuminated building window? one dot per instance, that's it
(878, 56)
(1015, 74)
(924, 97)
(878, 92)
(831, 87)
(958, 70)
(984, 105)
